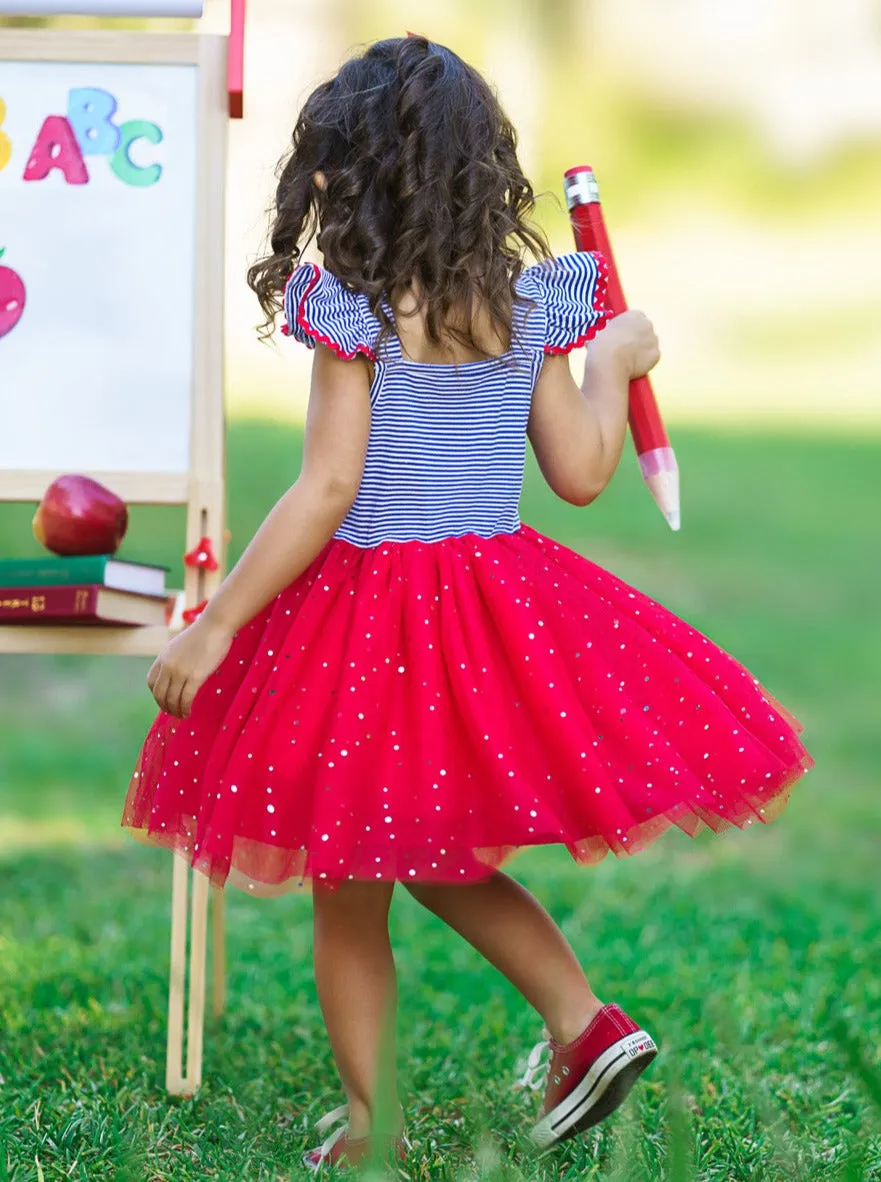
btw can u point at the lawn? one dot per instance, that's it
(754, 958)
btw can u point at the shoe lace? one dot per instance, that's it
(538, 1066)
(327, 1122)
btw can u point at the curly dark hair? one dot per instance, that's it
(422, 189)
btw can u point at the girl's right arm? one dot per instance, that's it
(578, 433)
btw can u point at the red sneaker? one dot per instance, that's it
(587, 1079)
(339, 1150)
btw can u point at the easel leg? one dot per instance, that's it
(196, 1014)
(218, 953)
(180, 1082)
(175, 1083)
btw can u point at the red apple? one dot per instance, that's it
(12, 299)
(78, 515)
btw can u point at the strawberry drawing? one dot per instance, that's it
(12, 298)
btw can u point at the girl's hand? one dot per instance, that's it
(629, 341)
(186, 663)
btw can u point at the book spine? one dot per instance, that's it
(37, 573)
(35, 603)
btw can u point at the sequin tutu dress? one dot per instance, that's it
(444, 686)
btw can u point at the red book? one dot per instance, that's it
(84, 604)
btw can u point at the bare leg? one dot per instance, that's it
(357, 988)
(508, 926)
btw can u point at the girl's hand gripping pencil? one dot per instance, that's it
(657, 461)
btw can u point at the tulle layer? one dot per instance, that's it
(419, 712)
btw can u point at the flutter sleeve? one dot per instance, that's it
(570, 297)
(319, 310)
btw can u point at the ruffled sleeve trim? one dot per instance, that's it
(319, 310)
(597, 310)
(570, 292)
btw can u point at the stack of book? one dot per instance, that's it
(90, 589)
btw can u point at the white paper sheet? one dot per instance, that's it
(96, 372)
(156, 8)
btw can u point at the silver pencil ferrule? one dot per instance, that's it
(581, 188)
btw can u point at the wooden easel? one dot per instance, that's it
(201, 488)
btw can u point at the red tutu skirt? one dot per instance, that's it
(419, 712)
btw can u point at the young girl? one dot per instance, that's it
(399, 682)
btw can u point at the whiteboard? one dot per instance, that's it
(96, 368)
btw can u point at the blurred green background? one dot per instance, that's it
(738, 150)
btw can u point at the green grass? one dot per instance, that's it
(754, 957)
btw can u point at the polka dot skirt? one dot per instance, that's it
(419, 712)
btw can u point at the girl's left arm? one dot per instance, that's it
(294, 532)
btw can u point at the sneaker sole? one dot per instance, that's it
(604, 1087)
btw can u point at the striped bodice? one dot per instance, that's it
(446, 452)
(447, 443)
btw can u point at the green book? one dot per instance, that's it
(105, 569)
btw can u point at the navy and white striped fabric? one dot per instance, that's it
(447, 444)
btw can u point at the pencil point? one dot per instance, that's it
(661, 474)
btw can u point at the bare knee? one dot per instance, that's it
(352, 903)
(429, 894)
(433, 895)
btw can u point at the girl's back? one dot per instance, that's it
(447, 442)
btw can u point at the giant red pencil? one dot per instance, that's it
(657, 460)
